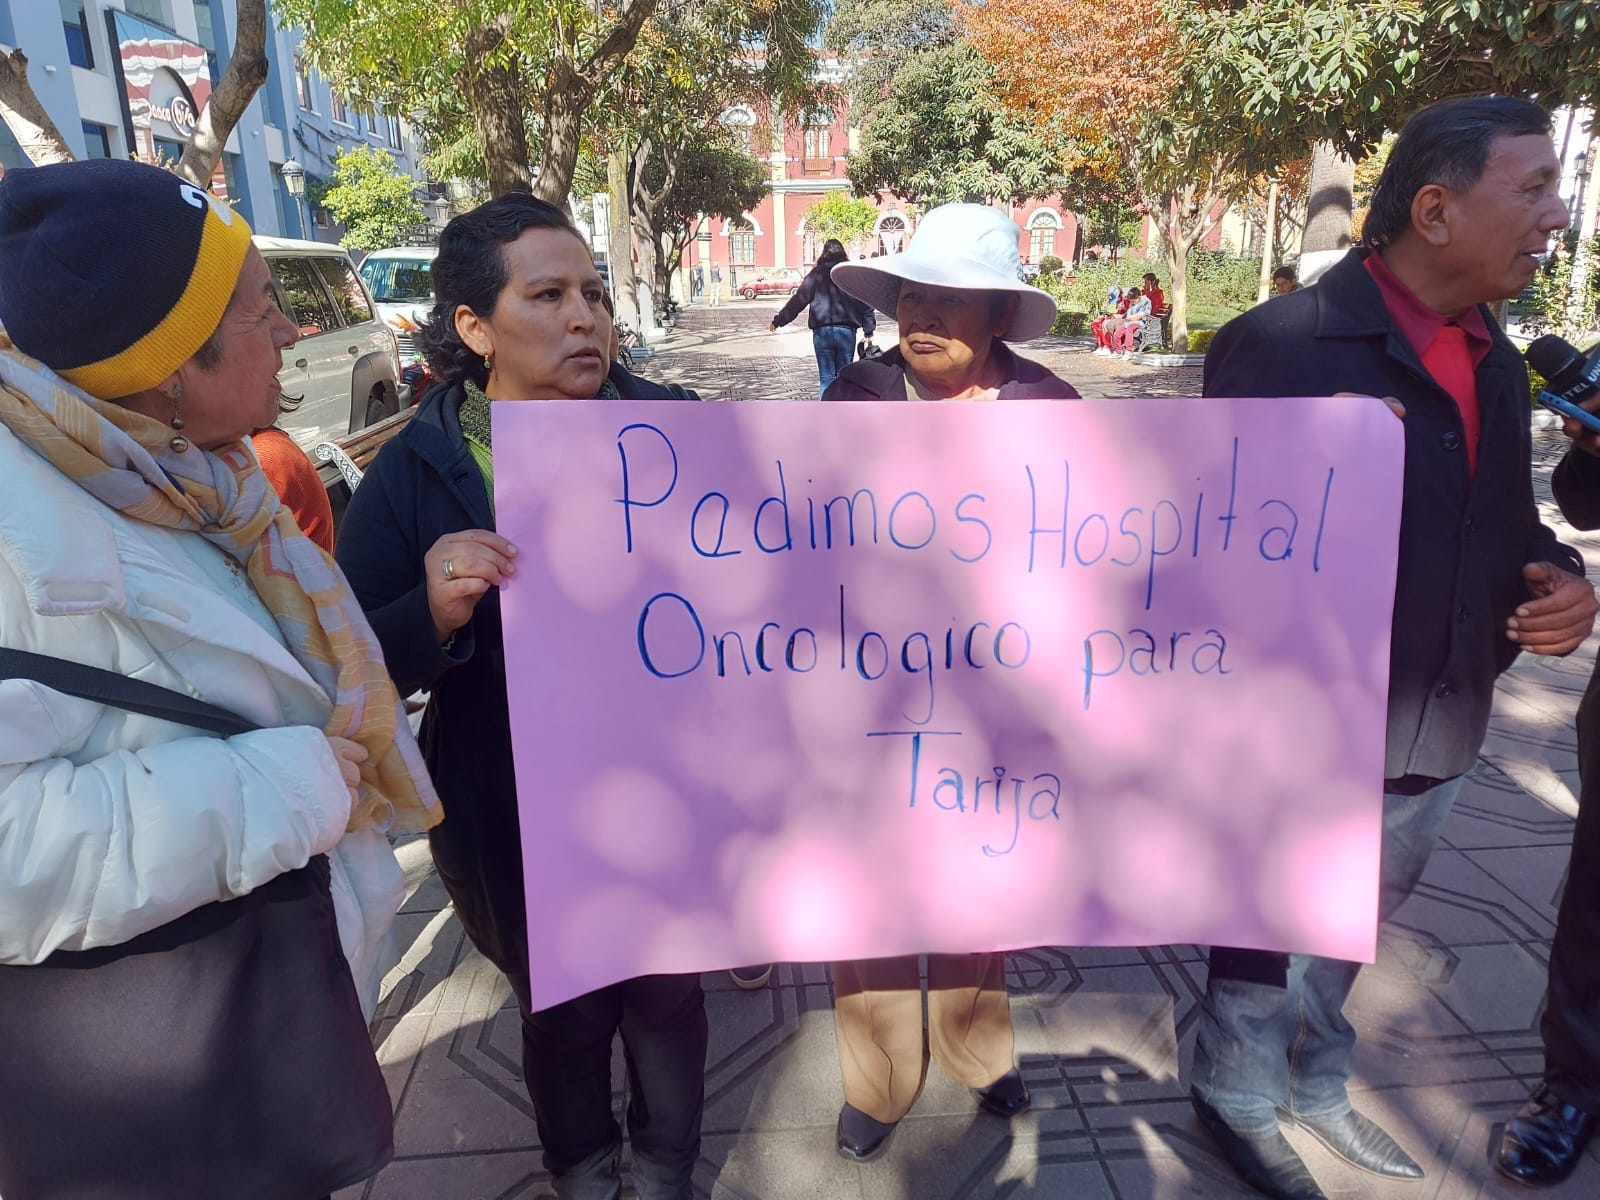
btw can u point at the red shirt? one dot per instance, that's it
(1158, 298)
(1451, 348)
(297, 483)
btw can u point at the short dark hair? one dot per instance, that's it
(1285, 272)
(470, 269)
(1445, 144)
(1150, 275)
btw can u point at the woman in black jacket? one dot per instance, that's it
(834, 317)
(519, 316)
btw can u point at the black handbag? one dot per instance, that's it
(223, 1055)
(866, 349)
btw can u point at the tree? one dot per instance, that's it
(372, 198)
(1108, 74)
(241, 80)
(1281, 75)
(847, 218)
(940, 134)
(25, 116)
(512, 63)
(691, 63)
(246, 71)
(713, 180)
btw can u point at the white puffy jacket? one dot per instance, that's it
(113, 824)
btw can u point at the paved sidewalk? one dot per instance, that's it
(1448, 1018)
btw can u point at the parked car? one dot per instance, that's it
(401, 283)
(782, 282)
(344, 372)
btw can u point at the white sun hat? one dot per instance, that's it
(969, 246)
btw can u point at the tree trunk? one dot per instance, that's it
(1586, 218)
(1268, 244)
(564, 106)
(1182, 221)
(1328, 208)
(624, 286)
(35, 132)
(493, 88)
(246, 72)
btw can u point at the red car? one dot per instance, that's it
(785, 282)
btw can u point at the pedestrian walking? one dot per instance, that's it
(697, 283)
(198, 892)
(959, 300)
(419, 546)
(716, 285)
(834, 317)
(1467, 201)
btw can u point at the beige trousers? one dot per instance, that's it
(878, 1013)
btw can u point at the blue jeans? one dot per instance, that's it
(835, 346)
(1260, 1047)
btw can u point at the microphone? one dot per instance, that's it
(1569, 378)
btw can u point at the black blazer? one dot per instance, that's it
(1463, 538)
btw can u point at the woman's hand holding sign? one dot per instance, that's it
(460, 569)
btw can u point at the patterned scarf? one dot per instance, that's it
(123, 459)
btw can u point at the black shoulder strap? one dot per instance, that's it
(118, 691)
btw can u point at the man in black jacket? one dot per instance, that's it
(1544, 1141)
(1464, 207)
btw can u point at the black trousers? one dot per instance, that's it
(1571, 1023)
(566, 1059)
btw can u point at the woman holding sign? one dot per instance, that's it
(959, 298)
(519, 316)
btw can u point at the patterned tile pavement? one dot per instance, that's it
(1448, 1016)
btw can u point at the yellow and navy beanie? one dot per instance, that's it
(113, 273)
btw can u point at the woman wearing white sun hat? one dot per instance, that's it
(958, 296)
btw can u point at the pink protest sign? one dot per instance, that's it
(797, 681)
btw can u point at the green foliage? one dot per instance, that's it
(1223, 280)
(1200, 340)
(1220, 287)
(878, 37)
(715, 179)
(1070, 322)
(371, 198)
(1278, 75)
(1050, 265)
(1550, 306)
(841, 216)
(939, 135)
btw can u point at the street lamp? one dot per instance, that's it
(294, 181)
(441, 210)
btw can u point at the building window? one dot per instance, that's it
(75, 23)
(336, 109)
(1042, 228)
(391, 124)
(206, 34)
(742, 246)
(96, 140)
(817, 143)
(741, 124)
(302, 84)
(150, 10)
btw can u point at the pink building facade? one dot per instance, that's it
(806, 153)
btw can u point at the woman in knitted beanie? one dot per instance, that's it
(200, 750)
(519, 316)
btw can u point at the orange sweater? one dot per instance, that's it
(297, 483)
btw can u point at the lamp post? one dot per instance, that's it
(441, 211)
(294, 180)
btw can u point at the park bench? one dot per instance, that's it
(346, 459)
(1155, 332)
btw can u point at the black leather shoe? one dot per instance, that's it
(1265, 1161)
(1361, 1144)
(1006, 1096)
(1544, 1141)
(862, 1139)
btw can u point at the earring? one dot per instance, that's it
(179, 443)
(488, 363)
